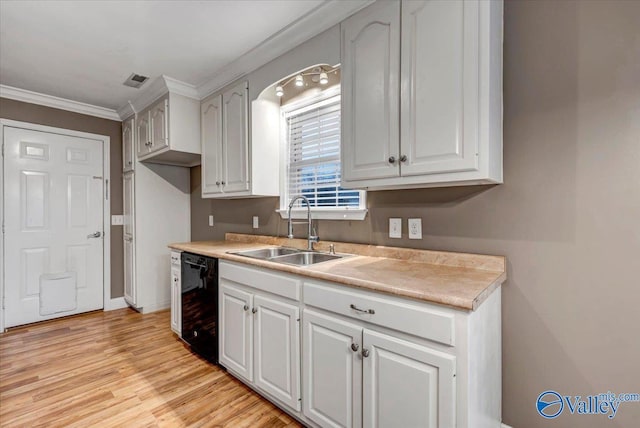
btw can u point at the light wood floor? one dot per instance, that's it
(119, 368)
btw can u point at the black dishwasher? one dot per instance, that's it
(200, 304)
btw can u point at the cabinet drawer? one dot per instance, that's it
(406, 316)
(282, 285)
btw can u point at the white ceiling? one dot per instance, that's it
(84, 50)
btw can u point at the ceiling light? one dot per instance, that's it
(324, 79)
(279, 91)
(299, 80)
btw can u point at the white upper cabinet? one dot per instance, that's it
(235, 164)
(235, 139)
(128, 130)
(168, 131)
(370, 92)
(448, 56)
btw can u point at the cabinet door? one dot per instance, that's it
(143, 138)
(370, 92)
(211, 129)
(128, 181)
(236, 332)
(130, 295)
(439, 81)
(235, 143)
(127, 144)
(406, 385)
(159, 125)
(176, 300)
(276, 343)
(332, 371)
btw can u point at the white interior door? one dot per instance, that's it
(53, 207)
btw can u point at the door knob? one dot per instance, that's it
(95, 235)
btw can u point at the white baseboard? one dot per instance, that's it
(113, 304)
(158, 306)
(505, 426)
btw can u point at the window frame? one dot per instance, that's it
(319, 213)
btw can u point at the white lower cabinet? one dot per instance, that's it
(260, 333)
(367, 360)
(176, 293)
(358, 377)
(405, 384)
(333, 371)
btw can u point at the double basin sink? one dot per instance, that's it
(289, 256)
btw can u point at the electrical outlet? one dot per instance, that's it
(415, 228)
(256, 222)
(117, 220)
(395, 228)
(211, 220)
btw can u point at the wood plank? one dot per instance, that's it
(108, 369)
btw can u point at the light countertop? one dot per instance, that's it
(458, 280)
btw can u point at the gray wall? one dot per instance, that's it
(567, 216)
(41, 115)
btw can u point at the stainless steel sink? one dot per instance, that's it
(267, 253)
(290, 256)
(306, 258)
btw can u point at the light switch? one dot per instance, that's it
(415, 228)
(395, 228)
(117, 220)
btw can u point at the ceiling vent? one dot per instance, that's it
(135, 80)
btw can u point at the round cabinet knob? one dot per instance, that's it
(355, 347)
(246, 307)
(403, 158)
(254, 310)
(392, 159)
(217, 183)
(222, 182)
(365, 352)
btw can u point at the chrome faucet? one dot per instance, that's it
(310, 237)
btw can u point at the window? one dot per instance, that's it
(312, 159)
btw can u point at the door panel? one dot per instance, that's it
(159, 120)
(143, 138)
(211, 127)
(277, 350)
(235, 142)
(53, 203)
(439, 81)
(332, 371)
(370, 95)
(407, 385)
(127, 144)
(236, 346)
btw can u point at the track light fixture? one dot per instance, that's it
(318, 75)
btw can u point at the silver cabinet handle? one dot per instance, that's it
(366, 311)
(246, 307)
(254, 310)
(94, 235)
(403, 158)
(355, 347)
(392, 159)
(365, 352)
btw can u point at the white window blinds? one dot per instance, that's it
(313, 137)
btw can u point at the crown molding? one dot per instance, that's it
(126, 110)
(178, 87)
(56, 102)
(323, 17)
(157, 88)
